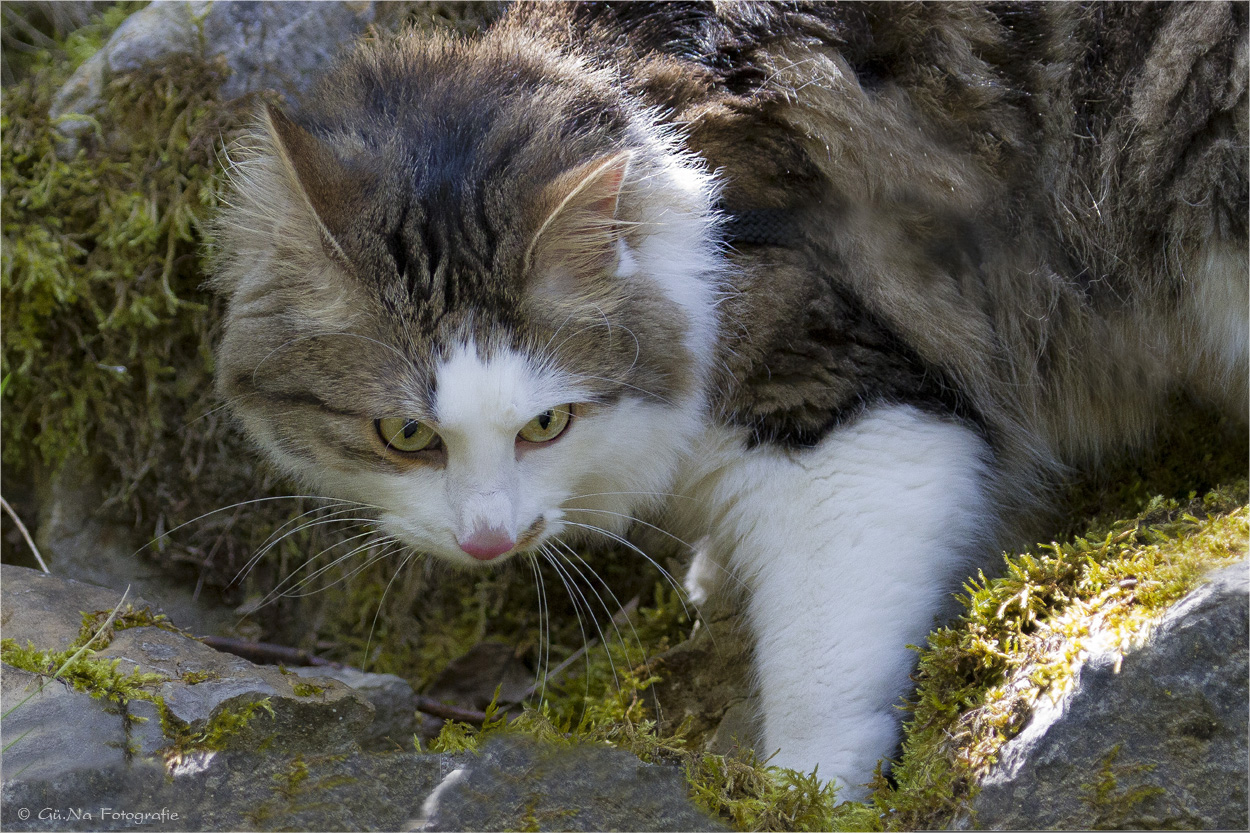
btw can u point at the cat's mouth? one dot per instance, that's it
(527, 539)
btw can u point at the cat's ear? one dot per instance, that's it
(327, 188)
(579, 237)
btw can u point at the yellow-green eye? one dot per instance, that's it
(403, 434)
(547, 426)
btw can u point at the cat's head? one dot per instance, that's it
(472, 286)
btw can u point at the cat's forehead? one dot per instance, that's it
(503, 386)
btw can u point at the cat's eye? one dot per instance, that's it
(548, 425)
(406, 435)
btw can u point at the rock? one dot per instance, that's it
(519, 784)
(233, 791)
(394, 702)
(56, 726)
(75, 541)
(200, 689)
(1159, 745)
(266, 45)
(326, 718)
(177, 750)
(47, 610)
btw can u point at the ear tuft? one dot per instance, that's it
(316, 174)
(580, 233)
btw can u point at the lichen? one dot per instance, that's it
(1111, 802)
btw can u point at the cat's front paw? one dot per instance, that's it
(705, 577)
(847, 756)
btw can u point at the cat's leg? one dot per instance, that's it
(850, 550)
(1217, 315)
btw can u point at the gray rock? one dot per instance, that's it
(75, 541)
(233, 791)
(1161, 744)
(394, 702)
(56, 727)
(519, 784)
(47, 609)
(278, 46)
(325, 719)
(76, 762)
(71, 730)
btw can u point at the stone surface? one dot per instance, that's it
(1159, 745)
(72, 730)
(56, 727)
(233, 791)
(75, 762)
(517, 784)
(76, 542)
(395, 718)
(47, 610)
(707, 683)
(267, 45)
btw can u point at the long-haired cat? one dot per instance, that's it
(839, 290)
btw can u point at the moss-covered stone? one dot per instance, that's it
(81, 669)
(221, 728)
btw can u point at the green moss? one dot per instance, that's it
(307, 689)
(750, 795)
(612, 709)
(87, 672)
(217, 732)
(128, 617)
(99, 253)
(287, 783)
(56, 33)
(295, 790)
(105, 320)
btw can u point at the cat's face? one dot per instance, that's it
(508, 454)
(493, 328)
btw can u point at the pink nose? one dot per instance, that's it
(485, 544)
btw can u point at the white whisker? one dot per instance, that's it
(681, 593)
(611, 619)
(364, 660)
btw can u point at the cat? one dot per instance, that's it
(842, 292)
